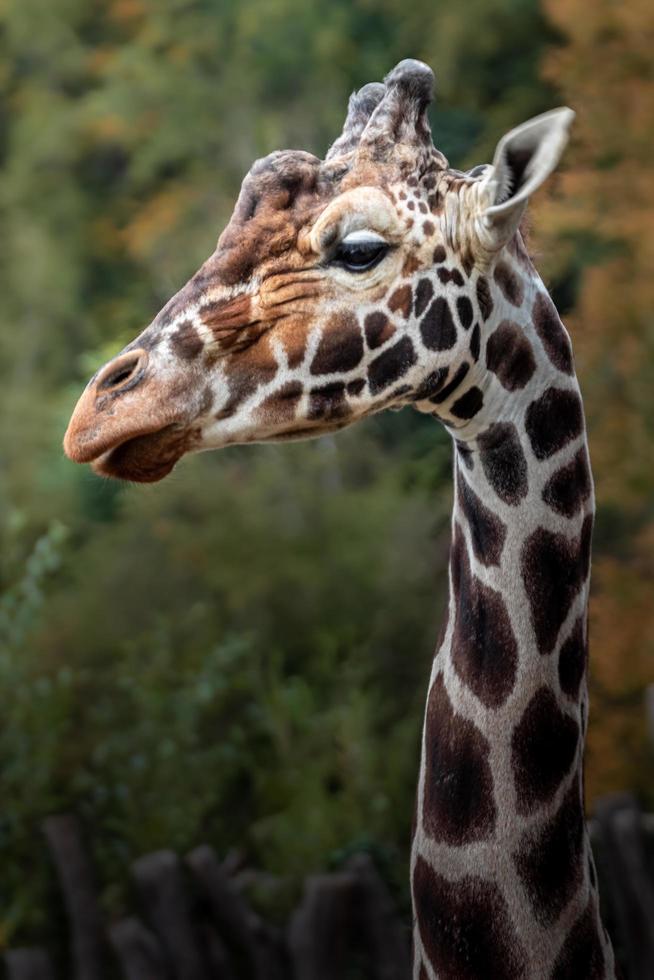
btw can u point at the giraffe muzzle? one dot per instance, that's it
(127, 423)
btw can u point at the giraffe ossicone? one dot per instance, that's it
(380, 277)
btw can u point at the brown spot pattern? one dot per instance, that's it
(509, 283)
(572, 660)
(543, 747)
(475, 340)
(411, 265)
(340, 347)
(378, 329)
(355, 387)
(437, 326)
(581, 954)
(503, 461)
(451, 386)
(464, 309)
(552, 333)
(458, 803)
(550, 859)
(484, 298)
(294, 337)
(424, 292)
(450, 275)
(186, 341)
(567, 490)
(467, 406)
(484, 648)
(328, 402)
(487, 530)
(509, 356)
(465, 455)
(281, 405)
(246, 371)
(553, 420)
(400, 301)
(391, 365)
(431, 385)
(465, 927)
(553, 570)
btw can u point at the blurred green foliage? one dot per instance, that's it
(237, 655)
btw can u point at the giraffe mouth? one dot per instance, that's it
(146, 458)
(129, 431)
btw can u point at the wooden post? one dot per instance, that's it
(630, 881)
(160, 884)
(649, 712)
(217, 956)
(137, 951)
(320, 930)
(28, 964)
(77, 882)
(385, 938)
(254, 947)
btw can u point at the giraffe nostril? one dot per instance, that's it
(123, 373)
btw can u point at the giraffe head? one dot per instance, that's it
(338, 288)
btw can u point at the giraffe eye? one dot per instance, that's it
(360, 251)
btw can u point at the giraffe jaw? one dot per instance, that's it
(145, 458)
(143, 454)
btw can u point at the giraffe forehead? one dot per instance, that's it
(280, 195)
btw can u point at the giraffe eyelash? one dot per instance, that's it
(360, 251)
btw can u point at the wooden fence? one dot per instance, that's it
(195, 924)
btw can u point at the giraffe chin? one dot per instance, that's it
(146, 458)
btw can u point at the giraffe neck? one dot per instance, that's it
(502, 874)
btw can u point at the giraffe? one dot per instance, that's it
(381, 277)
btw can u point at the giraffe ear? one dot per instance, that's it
(523, 160)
